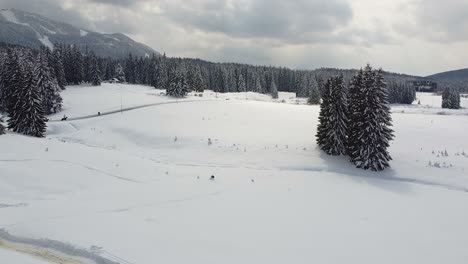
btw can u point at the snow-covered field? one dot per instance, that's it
(134, 186)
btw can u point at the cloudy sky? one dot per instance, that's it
(418, 37)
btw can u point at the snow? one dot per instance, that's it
(431, 104)
(83, 33)
(48, 30)
(122, 182)
(45, 41)
(10, 17)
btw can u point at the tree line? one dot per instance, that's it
(68, 65)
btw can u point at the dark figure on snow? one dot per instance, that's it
(98, 113)
(64, 118)
(212, 177)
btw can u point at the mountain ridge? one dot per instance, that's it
(24, 28)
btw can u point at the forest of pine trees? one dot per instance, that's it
(356, 121)
(70, 65)
(31, 82)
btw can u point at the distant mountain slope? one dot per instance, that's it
(457, 75)
(456, 79)
(23, 28)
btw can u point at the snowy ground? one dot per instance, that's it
(136, 184)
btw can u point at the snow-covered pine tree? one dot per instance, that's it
(355, 110)
(450, 99)
(78, 66)
(273, 90)
(47, 85)
(241, 87)
(59, 69)
(13, 80)
(161, 74)
(194, 79)
(119, 73)
(258, 85)
(336, 125)
(314, 94)
(3, 59)
(94, 71)
(323, 126)
(178, 86)
(28, 116)
(374, 133)
(87, 74)
(2, 128)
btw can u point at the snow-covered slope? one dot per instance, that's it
(23, 28)
(136, 184)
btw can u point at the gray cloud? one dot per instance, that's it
(297, 33)
(435, 20)
(289, 21)
(124, 3)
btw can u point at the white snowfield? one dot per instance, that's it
(134, 187)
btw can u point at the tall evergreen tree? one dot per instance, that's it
(323, 125)
(95, 72)
(314, 94)
(161, 74)
(178, 86)
(59, 68)
(13, 80)
(355, 109)
(47, 85)
(374, 133)
(335, 128)
(2, 128)
(194, 79)
(241, 87)
(119, 73)
(273, 90)
(450, 99)
(28, 116)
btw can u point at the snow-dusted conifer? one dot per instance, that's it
(334, 131)
(374, 132)
(273, 90)
(119, 73)
(314, 94)
(57, 65)
(13, 80)
(2, 128)
(241, 87)
(450, 99)
(178, 86)
(355, 110)
(195, 80)
(95, 72)
(28, 117)
(47, 85)
(161, 74)
(323, 126)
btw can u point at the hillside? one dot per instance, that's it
(457, 79)
(456, 75)
(33, 30)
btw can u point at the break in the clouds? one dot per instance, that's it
(412, 36)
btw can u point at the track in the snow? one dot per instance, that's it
(126, 109)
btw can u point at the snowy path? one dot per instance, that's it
(126, 109)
